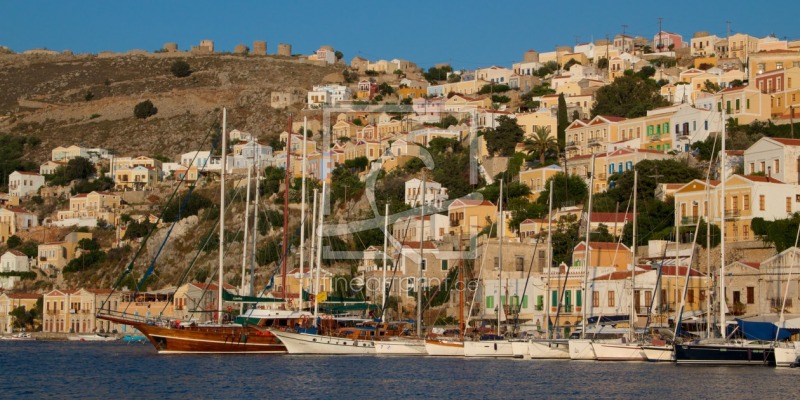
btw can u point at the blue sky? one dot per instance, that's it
(466, 33)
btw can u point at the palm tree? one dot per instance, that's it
(541, 143)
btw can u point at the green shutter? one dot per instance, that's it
(444, 265)
(503, 300)
(666, 127)
(539, 300)
(578, 298)
(525, 301)
(554, 298)
(748, 103)
(489, 302)
(568, 298)
(514, 300)
(737, 104)
(649, 130)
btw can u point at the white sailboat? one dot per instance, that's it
(630, 350)
(549, 348)
(498, 346)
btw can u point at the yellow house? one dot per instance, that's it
(11, 301)
(530, 121)
(772, 60)
(740, 45)
(748, 197)
(692, 202)
(470, 215)
(73, 311)
(533, 228)
(580, 58)
(744, 104)
(405, 92)
(657, 129)
(461, 103)
(537, 178)
(190, 174)
(587, 137)
(99, 205)
(136, 178)
(582, 166)
(344, 129)
(603, 254)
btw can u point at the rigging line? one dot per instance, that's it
(613, 262)
(199, 251)
(130, 267)
(525, 288)
(480, 274)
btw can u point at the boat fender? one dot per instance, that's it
(495, 347)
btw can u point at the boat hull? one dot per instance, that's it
(786, 356)
(401, 347)
(659, 353)
(618, 352)
(489, 348)
(444, 348)
(519, 349)
(724, 354)
(306, 343)
(548, 350)
(581, 349)
(189, 340)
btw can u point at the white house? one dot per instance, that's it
(12, 261)
(435, 194)
(23, 184)
(410, 228)
(328, 95)
(774, 156)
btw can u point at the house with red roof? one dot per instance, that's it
(470, 216)
(94, 206)
(776, 157)
(11, 301)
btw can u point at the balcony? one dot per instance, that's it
(455, 222)
(572, 145)
(690, 220)
(568, 308)
(596, 142)
(538, 307)
(730, 214)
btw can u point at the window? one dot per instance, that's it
(777, 166)
(752, 168)
(595, 298)
(763, 167)
(611, 298)
(519, 263)
(747, 105)
(410, 288)
(554, 298)
(444, 265)
(788, 204)
(424, 264)
(737, 105)
(496, 263)
(746, 201)
(489, 302)
(746, 232)
(578, 298)
(690, 296)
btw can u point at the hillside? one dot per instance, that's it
(46, 97)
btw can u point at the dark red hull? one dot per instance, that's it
(212, 339)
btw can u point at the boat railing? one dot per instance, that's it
(130, 317)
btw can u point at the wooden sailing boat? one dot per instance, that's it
(173, 337)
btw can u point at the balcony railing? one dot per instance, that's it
(572, 144)
(595, 142)
(734, 213)
(455, 222)
(690, 220)
(567, 308)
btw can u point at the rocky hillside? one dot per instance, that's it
(89, 99)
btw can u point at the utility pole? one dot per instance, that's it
(728, 39)
(660, 41)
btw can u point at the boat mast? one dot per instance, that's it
(549, 261)
(586, 251)
(385, 244)
(633, 248)
(312, 254)
(722, 301)
(220, 272)
(500, 259)
(288, 178)
(461, 323)
(319, 247)
(255, 231)
(421, 256)
(244, 239)
(302, 219)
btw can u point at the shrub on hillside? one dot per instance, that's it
(180, 69)
(144, 109)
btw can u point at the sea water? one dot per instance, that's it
(116, 370)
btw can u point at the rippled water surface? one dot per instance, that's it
(117, 370)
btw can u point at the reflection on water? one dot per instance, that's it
(118, 370)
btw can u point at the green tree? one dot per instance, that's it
(385, 89)
(436, 74)
(447, 122)
(710, 87)
(30, 248)
(493, 88)
(136, 230)
(567, 190)
(338, 55)
(629, 97)
(541, 143)
(602, 63)
(195, 203)
(180, 69)
(503, 139)
(144, 109)
(88, 244)
(570, 63)
(13, 241)
(562, 120)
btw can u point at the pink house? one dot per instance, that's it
(662, 40)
